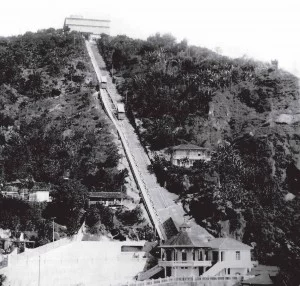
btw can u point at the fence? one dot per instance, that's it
(209, 281)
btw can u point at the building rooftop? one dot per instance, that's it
(194, 237)
(103, 79)
(121, 107)
(264, 269)
(188, 237)
(107, 195)
(228, 244)
(185, 239)
(188, 147)
(263, 279)
(86, 19)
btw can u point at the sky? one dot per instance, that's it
(260, 29)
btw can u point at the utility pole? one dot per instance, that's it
(53, 218)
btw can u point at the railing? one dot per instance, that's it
(175, 280)
(185, 263)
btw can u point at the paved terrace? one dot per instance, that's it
(159, 201)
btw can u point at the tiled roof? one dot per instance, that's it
(188, 147)
(263, 279)
(107, 195)
(188, 238)
(228, 244)
(185, 239)
(264, 269)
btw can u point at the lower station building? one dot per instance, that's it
(189, 254)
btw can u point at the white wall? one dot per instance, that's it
(190, 272)
(89, 263)
(230, 255)
(39, 196)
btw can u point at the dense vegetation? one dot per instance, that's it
(51, 130)
(177, 93)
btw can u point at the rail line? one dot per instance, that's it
(149, 205)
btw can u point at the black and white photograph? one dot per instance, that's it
(150, 143)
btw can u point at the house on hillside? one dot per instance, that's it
(40, 192)
(190, 254)
(109, 199)
(185, 155)
(14, 190)
(94, 27)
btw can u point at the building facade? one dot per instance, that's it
(188, 254)
(109, 199)
(185, 155)
(94, 27)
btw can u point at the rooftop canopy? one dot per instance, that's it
(188, 147)
(107, 195)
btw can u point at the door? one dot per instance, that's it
(222, 255)
(168, 271)
(215, 256)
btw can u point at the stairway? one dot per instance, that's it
(149, 273)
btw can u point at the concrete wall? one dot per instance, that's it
(78, 263)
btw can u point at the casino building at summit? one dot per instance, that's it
(94, 27)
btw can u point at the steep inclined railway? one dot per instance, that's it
(160, 204)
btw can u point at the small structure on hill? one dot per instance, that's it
(110, 199)
(103, 83)
(120, 111)
(185, 155)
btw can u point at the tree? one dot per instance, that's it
(2, 279)
(68, 204)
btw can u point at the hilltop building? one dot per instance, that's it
(94, 27)
(185, 155)
(190, 254)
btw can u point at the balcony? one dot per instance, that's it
(188, 263)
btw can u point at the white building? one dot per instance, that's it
(185, 155)
(39, 196)
(95, 27)
(189, 254)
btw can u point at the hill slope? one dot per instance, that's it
(246, 112)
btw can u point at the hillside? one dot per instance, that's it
(246, 112)
(52, 133)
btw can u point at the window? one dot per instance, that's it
(183, 255)
(228, 271)
(238, 255)
(200, 255)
